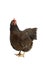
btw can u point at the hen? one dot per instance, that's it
(21, 40)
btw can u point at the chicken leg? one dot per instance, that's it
(19, 54)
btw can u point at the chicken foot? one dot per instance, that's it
(20, 55)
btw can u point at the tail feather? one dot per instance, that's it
(33, 34)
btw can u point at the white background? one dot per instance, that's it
(28, 13)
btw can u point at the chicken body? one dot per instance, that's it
(22, 40)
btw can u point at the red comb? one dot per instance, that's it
(14, 21)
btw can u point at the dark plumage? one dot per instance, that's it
(21, 40)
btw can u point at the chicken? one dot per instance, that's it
(21, 40)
